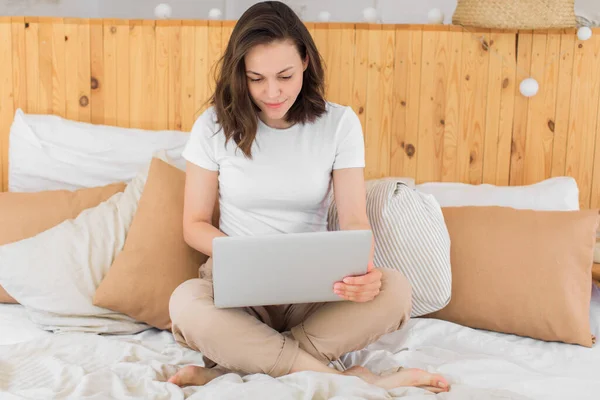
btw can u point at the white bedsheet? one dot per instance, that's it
(482, 365)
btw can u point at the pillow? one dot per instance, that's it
(522, 272)
(47, 152)
(6, 298)
(411, 237)
(554, 194)
(155, 259)
(55, 273)
(23, 215)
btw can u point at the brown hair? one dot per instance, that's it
(264, 23)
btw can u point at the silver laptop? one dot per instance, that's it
(286, 268)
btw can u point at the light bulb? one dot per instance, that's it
(324, 16)
(370, 14)
(584, 33)
(435, 16)
(215, 13)
(163, 11)
(529, 87)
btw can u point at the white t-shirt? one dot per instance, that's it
(285, 187)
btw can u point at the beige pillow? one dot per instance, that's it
(596, 273)
(24, 215)
(522, 272)
(155, 258)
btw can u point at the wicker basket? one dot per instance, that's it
(516, 14)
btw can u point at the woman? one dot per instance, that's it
(270, 148)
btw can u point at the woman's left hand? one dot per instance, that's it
(360, 289)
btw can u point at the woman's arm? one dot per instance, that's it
(351, 201)
(350, 198)
(200, 198)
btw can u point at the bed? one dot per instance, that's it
(153, 76)
(36, 364)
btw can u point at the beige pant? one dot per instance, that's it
(266, 339)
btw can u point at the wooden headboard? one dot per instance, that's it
(437, 103)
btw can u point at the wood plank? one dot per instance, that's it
(136, 78)
(379, 101)
(19, 59)
(97, 78)
(45, 51)
(595, 194)
(359, 94)
(188, 67)
(551, 75)
(584, 111)
(59, 77)
(533, 166)
(519, 136)
(451, 121)
(501, 138)
(346, 73)
(500, 48)
(163, 49)
(334, 64)
(7, 109)
(32, 64)
(407, 86)
(563, 102)
(310, 26)
(123, 60)
(71, 70)
(84, 76)
(201, 70)
(475, 70)
(175, 78)
(321, 38)
(434, 72)
(109, 84)
(374, 160)
(150, 116)
(226, 30)
(542, 108)
(215, 46)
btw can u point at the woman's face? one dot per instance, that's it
(274, 74)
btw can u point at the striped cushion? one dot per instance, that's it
(411, 237)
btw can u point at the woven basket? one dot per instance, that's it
(516, 14)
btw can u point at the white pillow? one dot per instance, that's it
(410, 236)
(56, 273)
(47, 152)
(553, 194)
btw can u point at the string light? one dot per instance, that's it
(529, 87)
(584, 33)
(324, 16)
(370, 15)
(215, 13)
(163, 11)
(435, 16)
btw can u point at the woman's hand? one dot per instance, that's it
(360, 289)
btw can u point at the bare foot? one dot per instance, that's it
(192, 375)
(414, 377)
(362, 373)
(405, 377)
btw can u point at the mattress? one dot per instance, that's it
(480, 364)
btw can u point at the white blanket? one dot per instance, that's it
(86, 366)
(481, 365)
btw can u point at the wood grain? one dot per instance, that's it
(407, 88)
(475, 70)
(436, 103)
(6, 102)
